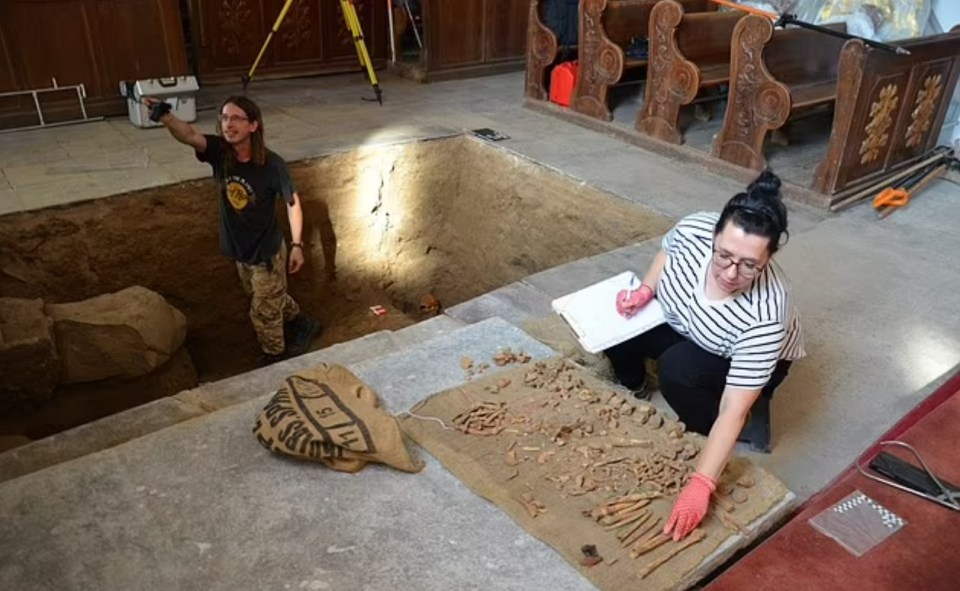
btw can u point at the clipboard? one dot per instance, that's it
(592, 314)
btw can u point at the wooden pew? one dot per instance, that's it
(890, 109)
(773, 74)
(543, 49)
(606, 28)
(688, 53)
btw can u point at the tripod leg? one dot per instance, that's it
(263, 48)
(353, 22)
(349, 16)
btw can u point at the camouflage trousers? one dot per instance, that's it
(270, 304)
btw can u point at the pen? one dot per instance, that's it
(633, 286)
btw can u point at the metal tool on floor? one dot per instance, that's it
(892, 198)
(81, 91)
(356, 32)
(907, 477)
(865, 191)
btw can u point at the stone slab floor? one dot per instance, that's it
(878, 298)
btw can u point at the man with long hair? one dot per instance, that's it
(250, 179)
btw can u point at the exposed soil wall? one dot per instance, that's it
(454, 217)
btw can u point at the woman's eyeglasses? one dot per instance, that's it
(746, 269)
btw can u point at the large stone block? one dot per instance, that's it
(120, 335)
(29, 364)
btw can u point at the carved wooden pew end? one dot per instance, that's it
(890, 109)
(607, 28)
(543, 50)
(689, 53)
(773, 75)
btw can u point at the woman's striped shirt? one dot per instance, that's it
(754, 330)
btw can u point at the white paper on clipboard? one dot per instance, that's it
(592, 314)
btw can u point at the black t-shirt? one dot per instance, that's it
(249, 231)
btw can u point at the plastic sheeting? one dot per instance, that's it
(880, 20)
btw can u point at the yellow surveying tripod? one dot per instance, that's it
(353, 23)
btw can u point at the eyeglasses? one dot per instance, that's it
(233, 118)
(746, 269)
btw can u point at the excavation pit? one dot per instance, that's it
(452, 218)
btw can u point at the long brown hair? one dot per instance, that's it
(258, 148)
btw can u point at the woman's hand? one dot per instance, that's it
(629, 303)
(690, 507)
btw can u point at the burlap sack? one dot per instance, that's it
(326, 414)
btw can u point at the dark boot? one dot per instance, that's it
(271, 358)
(299, 334)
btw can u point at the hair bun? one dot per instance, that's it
(765, 186)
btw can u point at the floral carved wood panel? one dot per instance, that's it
(235, 29)
(297, 29)
(926, 106)
(877, 131)
(345, 36)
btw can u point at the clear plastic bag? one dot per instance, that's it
(880, 20)
(857, 522)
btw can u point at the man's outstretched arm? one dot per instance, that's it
(182, 131)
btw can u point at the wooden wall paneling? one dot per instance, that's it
(336, 37)
(53, 39)
(299, 38)
(8, 79)
(139, 39)
(378, 37)
(69, 56)
(373, 20)
(96, 43)
(454, 33)
(312, 39)
(506, 29)
(234, 33)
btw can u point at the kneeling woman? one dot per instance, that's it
(731, 333)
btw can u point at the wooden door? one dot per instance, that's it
(454, 33)
(312, 38)
(466, 34)
(506, 37)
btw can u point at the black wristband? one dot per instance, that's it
(158, 110)
(296, 245)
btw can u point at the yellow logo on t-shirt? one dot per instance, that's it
(237, 195)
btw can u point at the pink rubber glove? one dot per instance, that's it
(691, 506)
(629, 303)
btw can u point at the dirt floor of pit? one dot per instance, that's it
(385, 226)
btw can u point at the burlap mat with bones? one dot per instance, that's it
(556, 448)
